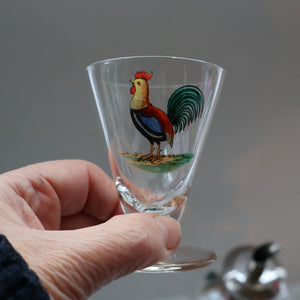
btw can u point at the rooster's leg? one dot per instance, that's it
(152, 150)
(158, 150)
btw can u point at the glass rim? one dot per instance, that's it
(115, 59)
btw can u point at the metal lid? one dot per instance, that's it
(253, 272)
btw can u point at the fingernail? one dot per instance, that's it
(171, 229)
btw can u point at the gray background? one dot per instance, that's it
(247, 185)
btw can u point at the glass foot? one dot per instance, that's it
(185, 258)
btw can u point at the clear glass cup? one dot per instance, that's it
(155, 112)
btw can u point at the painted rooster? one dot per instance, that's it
(184, 106)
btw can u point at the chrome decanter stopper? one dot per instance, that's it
(253, 272)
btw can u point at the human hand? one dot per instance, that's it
(65, 219)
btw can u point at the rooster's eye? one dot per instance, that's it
(138, 82)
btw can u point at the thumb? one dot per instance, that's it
(84, 260)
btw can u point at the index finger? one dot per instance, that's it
(80, 186)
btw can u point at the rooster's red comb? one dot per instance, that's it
(143, 75)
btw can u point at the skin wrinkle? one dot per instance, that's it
(65, 276)
(137, 239)
(105, 273)
(105, 252)
(62, 209)
(28, 242)
(87, 259)
(39, 197)
(43, 204)
(55, 265)
(67, 257)
(52, 290)
(87, 267)
(13, 216)
(32, 248)
(65, 264)
(63, 285)
(23, 212)
(80, 269)
(8, 190)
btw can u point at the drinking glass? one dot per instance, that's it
(155, 112)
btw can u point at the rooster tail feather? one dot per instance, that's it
(185, 105)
